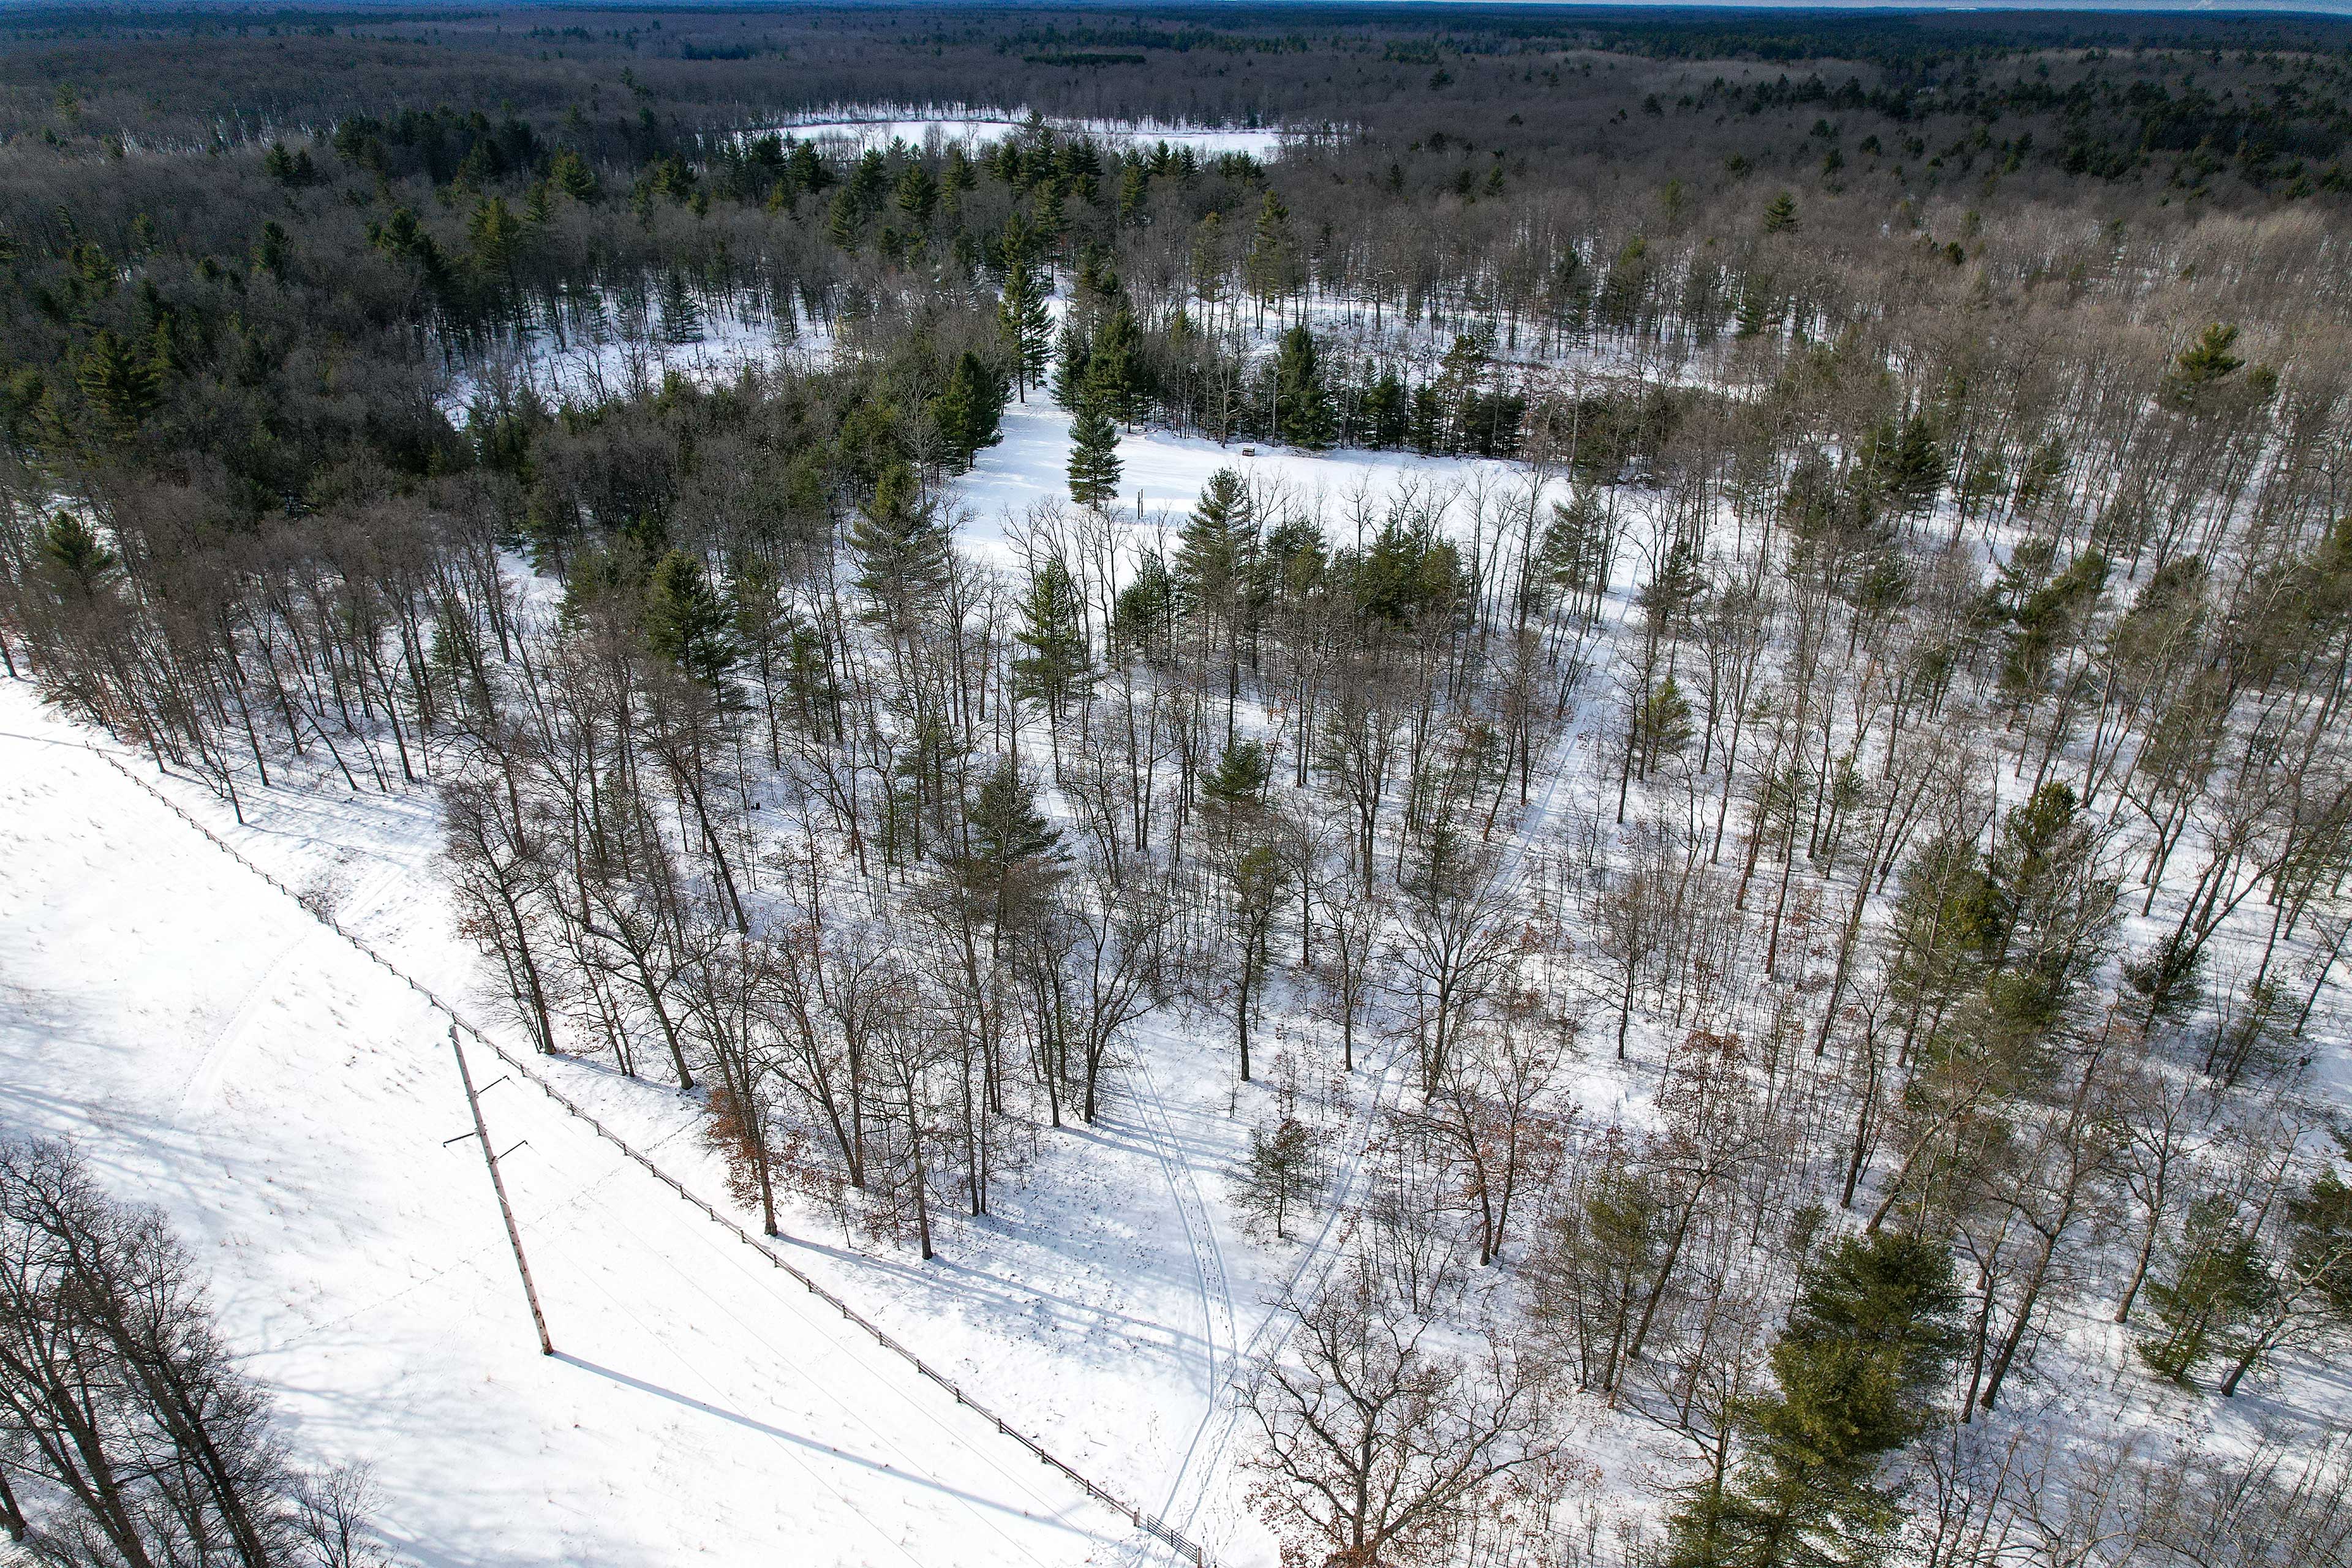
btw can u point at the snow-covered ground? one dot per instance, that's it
(219, 1052)
(1164, 471)
(592, 366)
(856, 127)
(223, 1054)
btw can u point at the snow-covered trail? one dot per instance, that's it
(1203, 1498)
(285, 1101)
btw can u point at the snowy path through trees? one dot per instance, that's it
(1206, 1473)
(1217, 1325)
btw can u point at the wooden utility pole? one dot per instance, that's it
(499, 1185)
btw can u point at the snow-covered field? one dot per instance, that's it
(1165, 472)
(856, 127)
(219, 1052)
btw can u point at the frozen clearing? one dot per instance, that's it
(859, 127)
(589, 369)
(1164, 473)
(220, 1053)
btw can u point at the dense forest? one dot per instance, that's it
(1791, 890)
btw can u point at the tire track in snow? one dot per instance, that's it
(1205, 1467)
(203, 1093)
(1198, 1478)
(1208, 1259)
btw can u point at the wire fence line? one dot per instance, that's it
(1149, 1523)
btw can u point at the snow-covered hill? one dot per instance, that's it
(220, 1053)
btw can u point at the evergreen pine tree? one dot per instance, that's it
(2050, 617)
(1212, 552)
(1113, 361)
(869, 180)
(1098, 284)
(1052, 221)
(1873, 1334)
(970, 409)
(681, 318)
(1946, 930)
(1143, 614)
(401, 236)
(571, 176)
(1072, 358)
(74, 548)
(1677, 585)
(1271, 268)
(1382, 418)
(847, 220)
(2204, 365)
(1052, 628)
(1627, 291)
(808, 678)
(1425, 427)
(903, 547)
(1781, 216)
(958, 176)
(807, 171)
(1912, 468)
(1023, 320)
(687, 621)
(1006, 821)
(917, 194)
(1302, 412)
(273, 251)
(1279, 1176)
(496, 236)
(2216, 1280)
(119, 384)
(1095, 467)
(1010, 851)
(1237, 784)
(1134, 190)
(1662, 724)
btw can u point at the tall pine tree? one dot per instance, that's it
(1095, 467)
(1023, 320)
(1873, 1335)
(1302, 411)
(1272, 267)
(687, 621)
(904, 549)
(970, 410)
(1053, 629)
